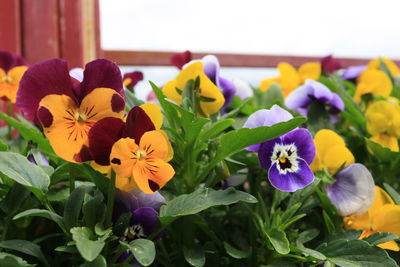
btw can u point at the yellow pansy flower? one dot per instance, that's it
(289, 78)
(215, 99)
(372, 81)
(376, 64)
(382, 216)
(331, 152)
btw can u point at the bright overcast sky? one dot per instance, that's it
(350, 28)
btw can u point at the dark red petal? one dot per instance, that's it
(117, 103)
(135, 76)
(9, 60)
(45, 117)
(180, 59)
(83, 155)
(330, 64)
(102, 137)
(101, 73)
(137, 123)
(44, 78)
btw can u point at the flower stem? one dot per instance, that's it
(110, 200)
(71, 178)
(9, 113)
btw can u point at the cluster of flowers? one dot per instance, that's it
(83, 115)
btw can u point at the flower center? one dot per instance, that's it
(285, 157)
(7, 79)
(140, 154)
(134, 231)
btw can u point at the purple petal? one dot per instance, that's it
(336, 103)
(352, 72)
(303, 141)
(291, 181)
(265, 152)
(320, 91)
(10, 60)
(228, 89)
(146, 217)
(129, 200)
(155, 200)
(211, 68)
(101, 73)
(354, 190)
(41, 79)
(299, 98)
(243, 89)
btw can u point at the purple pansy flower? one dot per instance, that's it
(312, 90)
(354, 190)
(353, 72)
(132, 78)
(287, 157)
(330, 64)
(38, 158)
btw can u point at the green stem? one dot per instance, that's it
(110, 200)
(9, 113)
(5, 229)
(71, 178)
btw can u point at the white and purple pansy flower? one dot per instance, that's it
(287, 157)
(312, 91)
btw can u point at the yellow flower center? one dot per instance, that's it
(282, 160)
(7, 79)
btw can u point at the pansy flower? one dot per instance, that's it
(135, 149)
(330, 64)
(180, 59)
(67, 108)
(392, 67)
(331, 152)
(287, 157)
(373, 81)
(353, 72)
(383, 123)
(132, 78)
(210, 99)
(353, 191)
(382, 216)
(312, 91)
(289, 78)
(12, 67)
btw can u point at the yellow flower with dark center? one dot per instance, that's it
(382, 216)
(211, 99)
(383, 123)
(289, 78)
(331, 152)
(373, 81)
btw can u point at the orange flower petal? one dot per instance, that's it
(151, 175)
(121, 157)
(155, 145)
(154, 112)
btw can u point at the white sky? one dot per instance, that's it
(345, 28)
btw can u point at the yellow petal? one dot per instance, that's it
(210, 90)
(310, 70)
(289, 79)
(121, 157)
(125, 183)
(358, 222)
(336, 157)
(266, 83)
(106, 170)
(154, 112)
(170, 154)
(386, 141)
(390, 245)
(376, 64)
(387, 219)
(127, 81)
(381, 198)
(151, 175)
(154, 144)
(9, 83)
(171, 92)
(374, 82)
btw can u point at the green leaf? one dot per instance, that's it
(19, 169)
(100, 261)
(14, 199)
(41, 213)
(131, 100)
(88, 248)
(328, 222)
(272, 96)
(94, 210)
(26, 247)
(279, 240)
(170, 113)
(201, 199)
(236, 253)
(215, 129)
(194, 255)
(383, 154)
(10, 260)
(393, 193)
(73, 206)
(378, 238)
(3, 146)
(29, 133)
(355, 253)
(143, 250)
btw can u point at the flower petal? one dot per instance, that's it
(330, 64)
(132, 78)
(387, 219)
(155, 145)
(121, 157)
(303, 141)
(243, 89)
(171, 92)
(266, 83)
(137, 123)
(147, 217)
(291, 181)
(9, 60)
(353, 72)
(42, 79)
(309, 70)
(180, 59)
(354, 190)
(152, 175)
(155, 200)
(375, 82)
(154, 112)
(101, 73)
(289, 79)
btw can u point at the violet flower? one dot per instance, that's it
(330, 64)
(38, 158)
(311, 91)
(353, 72)
(287, 157)
(354, 190)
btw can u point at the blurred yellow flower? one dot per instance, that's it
(373, 81)
(382, 216)
(383, 123)
(214, 99)
(331, 152)
(376, 64)
(289, 78)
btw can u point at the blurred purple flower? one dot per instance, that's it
(38, 158)
(354, 190)
(132, 78)
(180, 59)
(311, 91)
(353, 72)
(330, 64)
(287, 157)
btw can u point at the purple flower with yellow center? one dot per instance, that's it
(67, 108)
(12, 67)
(132, 78)
(312, 91)
(287, 157)
(353, 191)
